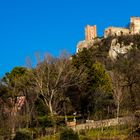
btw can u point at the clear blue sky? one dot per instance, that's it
(30, 26)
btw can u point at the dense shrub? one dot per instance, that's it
(23, 135)
(68, 134)
(45, 121)
(127, 39)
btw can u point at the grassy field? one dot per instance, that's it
(106, 133)
(118, 133)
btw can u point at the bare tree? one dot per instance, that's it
(117, 84)
(52, 77)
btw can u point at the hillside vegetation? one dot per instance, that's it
(37, 102)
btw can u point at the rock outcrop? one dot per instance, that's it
(117, 48)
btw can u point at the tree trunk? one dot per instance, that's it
(132, 95)
(50, 108)
(118, 110)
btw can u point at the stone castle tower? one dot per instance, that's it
(90, 32)
(90, 35)
(135, 25)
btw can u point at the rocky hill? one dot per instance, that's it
(113, 45)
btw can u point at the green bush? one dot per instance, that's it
(68, 134)
(60, 120)
(45, 121)
(23, 135)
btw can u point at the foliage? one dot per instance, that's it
(40, 107)
(97, 85)
(90, 85)
(68, 134)
(23, 135)
(106, 133)
(16, 73)
(127, 39)
(129, 68)
(51, 78)
(100, 78)
(83, 58)
(96, 73)
(45, 121)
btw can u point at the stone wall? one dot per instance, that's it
(112, 31)
(134, 28)
(104, 123)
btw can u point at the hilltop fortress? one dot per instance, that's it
(134, 28)
(91, 32)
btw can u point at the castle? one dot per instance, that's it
(91, 32)
(134, 28)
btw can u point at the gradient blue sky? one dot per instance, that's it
(30, 26)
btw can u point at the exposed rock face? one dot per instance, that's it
(117, 48)
(83, 44)
(87, 44)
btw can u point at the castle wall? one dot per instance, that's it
(112, 31)
(133, 29)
